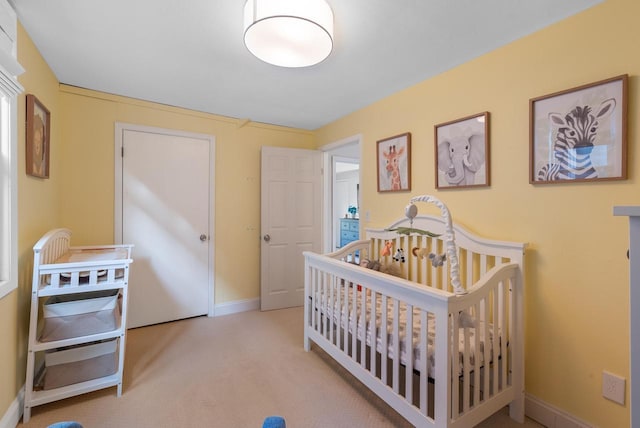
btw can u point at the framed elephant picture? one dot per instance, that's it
(462, 152)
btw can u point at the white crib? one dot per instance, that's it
(453, 352)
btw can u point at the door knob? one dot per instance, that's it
(203, 237)
(267, 238)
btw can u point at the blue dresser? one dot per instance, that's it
(349, 230)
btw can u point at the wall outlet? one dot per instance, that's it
(613, 387)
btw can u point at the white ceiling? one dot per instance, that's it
(190, 53)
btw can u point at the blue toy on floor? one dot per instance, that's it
(274, 422)
(68, 424)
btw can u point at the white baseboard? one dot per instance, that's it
(236, 307)
(14, 412)
(550, 416)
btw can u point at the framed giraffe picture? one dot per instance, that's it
(394, 163)
(579, 134)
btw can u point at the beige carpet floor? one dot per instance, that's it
(230, 371)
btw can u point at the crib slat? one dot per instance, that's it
(424, 375)
(466, 369)
(373, 323)
(469, 267)
(442, 272)
(496, 349)
(325, 306)
(477, 360)
(363, 325)
(330, 307)
(395, 337)
(353, 322)
(486, 319)
(483, 264)
(344, 322)
(455, 364)
(337, 313)
(384, 345)
(313, 294)
(408, 350)
(503, 328)
(414, 266)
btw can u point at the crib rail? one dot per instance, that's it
(476, 256)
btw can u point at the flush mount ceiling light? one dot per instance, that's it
(288, 33)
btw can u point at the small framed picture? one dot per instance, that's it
(462, 152)
(579, 134)
(37, 138)
(394, 163)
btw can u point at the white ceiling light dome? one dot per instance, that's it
(289, 33)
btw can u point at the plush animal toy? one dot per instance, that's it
(388, 268)
(420, 253)
(386, 251)
(437, 260)
(399, 256)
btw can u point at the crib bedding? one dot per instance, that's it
(338, 314)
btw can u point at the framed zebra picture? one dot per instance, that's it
(579, 134)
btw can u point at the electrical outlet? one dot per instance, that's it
(613, 387)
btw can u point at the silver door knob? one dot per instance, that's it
(203, 237)
(267, 238)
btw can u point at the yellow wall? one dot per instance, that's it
(577, 295)
(38, 211)
(88, 126)
(80, 191)
(577, 321)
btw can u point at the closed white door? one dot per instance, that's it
(166, 215)
(290, 223)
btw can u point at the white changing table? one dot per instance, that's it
(78, 319)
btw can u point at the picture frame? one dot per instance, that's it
(394, 163)
(579, 134)
(38, 124)
(462, 152)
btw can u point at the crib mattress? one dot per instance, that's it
(344, 316)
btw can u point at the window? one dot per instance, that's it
(9, 90)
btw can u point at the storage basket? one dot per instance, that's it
(80, 363)
(81, 314)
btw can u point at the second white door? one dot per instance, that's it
(166, 215)
(291, 222)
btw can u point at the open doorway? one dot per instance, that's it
(346, 201)
(342, 190)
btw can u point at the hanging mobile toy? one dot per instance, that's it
(411, 211)
(386, 250)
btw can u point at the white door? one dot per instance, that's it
(166, 214)
(290, 222)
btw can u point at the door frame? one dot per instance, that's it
(329, 151)
(120, 127)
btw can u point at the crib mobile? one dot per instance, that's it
(437, 260)
(411, 211)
